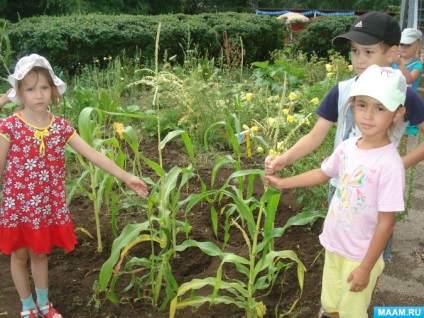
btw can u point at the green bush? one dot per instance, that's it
(71, 41)
(4, 23)
(316, 38)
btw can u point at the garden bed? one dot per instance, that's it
(72, 275)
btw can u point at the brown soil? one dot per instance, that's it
(73, 275)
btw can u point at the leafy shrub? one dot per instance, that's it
(4, 22)
(318, 35)
(71, 41)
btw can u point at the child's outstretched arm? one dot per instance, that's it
(307, 179)
(303, 147)
(360, 276)
(107, 165)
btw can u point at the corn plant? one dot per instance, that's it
(263, 264)
(90, 125)
(166, 198)
(100, 182)
(234, 140)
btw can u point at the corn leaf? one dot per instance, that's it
(128, 235)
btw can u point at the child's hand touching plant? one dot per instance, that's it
(137, 185)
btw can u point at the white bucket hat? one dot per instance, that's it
(410, 35)
(385, 84)
(22, 68)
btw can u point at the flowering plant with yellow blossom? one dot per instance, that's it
(293, 96)
(274, 98)
(291, 116)
(119, 128)
(338, 68)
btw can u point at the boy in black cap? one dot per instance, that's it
(374, 38)
(372, 28)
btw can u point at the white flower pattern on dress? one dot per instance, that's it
(30, 164)
(9, 203)
(34, 187)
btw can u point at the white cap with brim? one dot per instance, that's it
(410, 35)
(23, 67)
(385, 84)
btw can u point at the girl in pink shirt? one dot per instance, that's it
(362, 212)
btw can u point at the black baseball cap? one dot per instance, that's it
(372, 28)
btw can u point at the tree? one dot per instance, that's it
(14, 10)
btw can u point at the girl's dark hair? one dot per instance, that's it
(41, 70)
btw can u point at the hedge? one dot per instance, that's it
(68, 41)
(317, 37)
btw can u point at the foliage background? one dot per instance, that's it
(13, 10)
(70, 42)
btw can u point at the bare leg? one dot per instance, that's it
(18, 267)
(335, 315)
(39, 268)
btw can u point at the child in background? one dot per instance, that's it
(408, 64)
(361, 214)
(34, 216)
(374, 38)
(407, 59)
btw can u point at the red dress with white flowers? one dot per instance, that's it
(34, 213)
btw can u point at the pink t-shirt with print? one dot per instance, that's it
(371, 181)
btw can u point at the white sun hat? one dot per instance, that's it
(385, 84)
(410, 35)
(22, 68)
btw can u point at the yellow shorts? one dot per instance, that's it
(335, 295)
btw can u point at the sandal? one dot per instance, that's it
(52, 313)
(32, 313)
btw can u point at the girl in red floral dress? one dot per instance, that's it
(34, 216)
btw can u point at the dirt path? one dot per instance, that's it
(402, 282)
